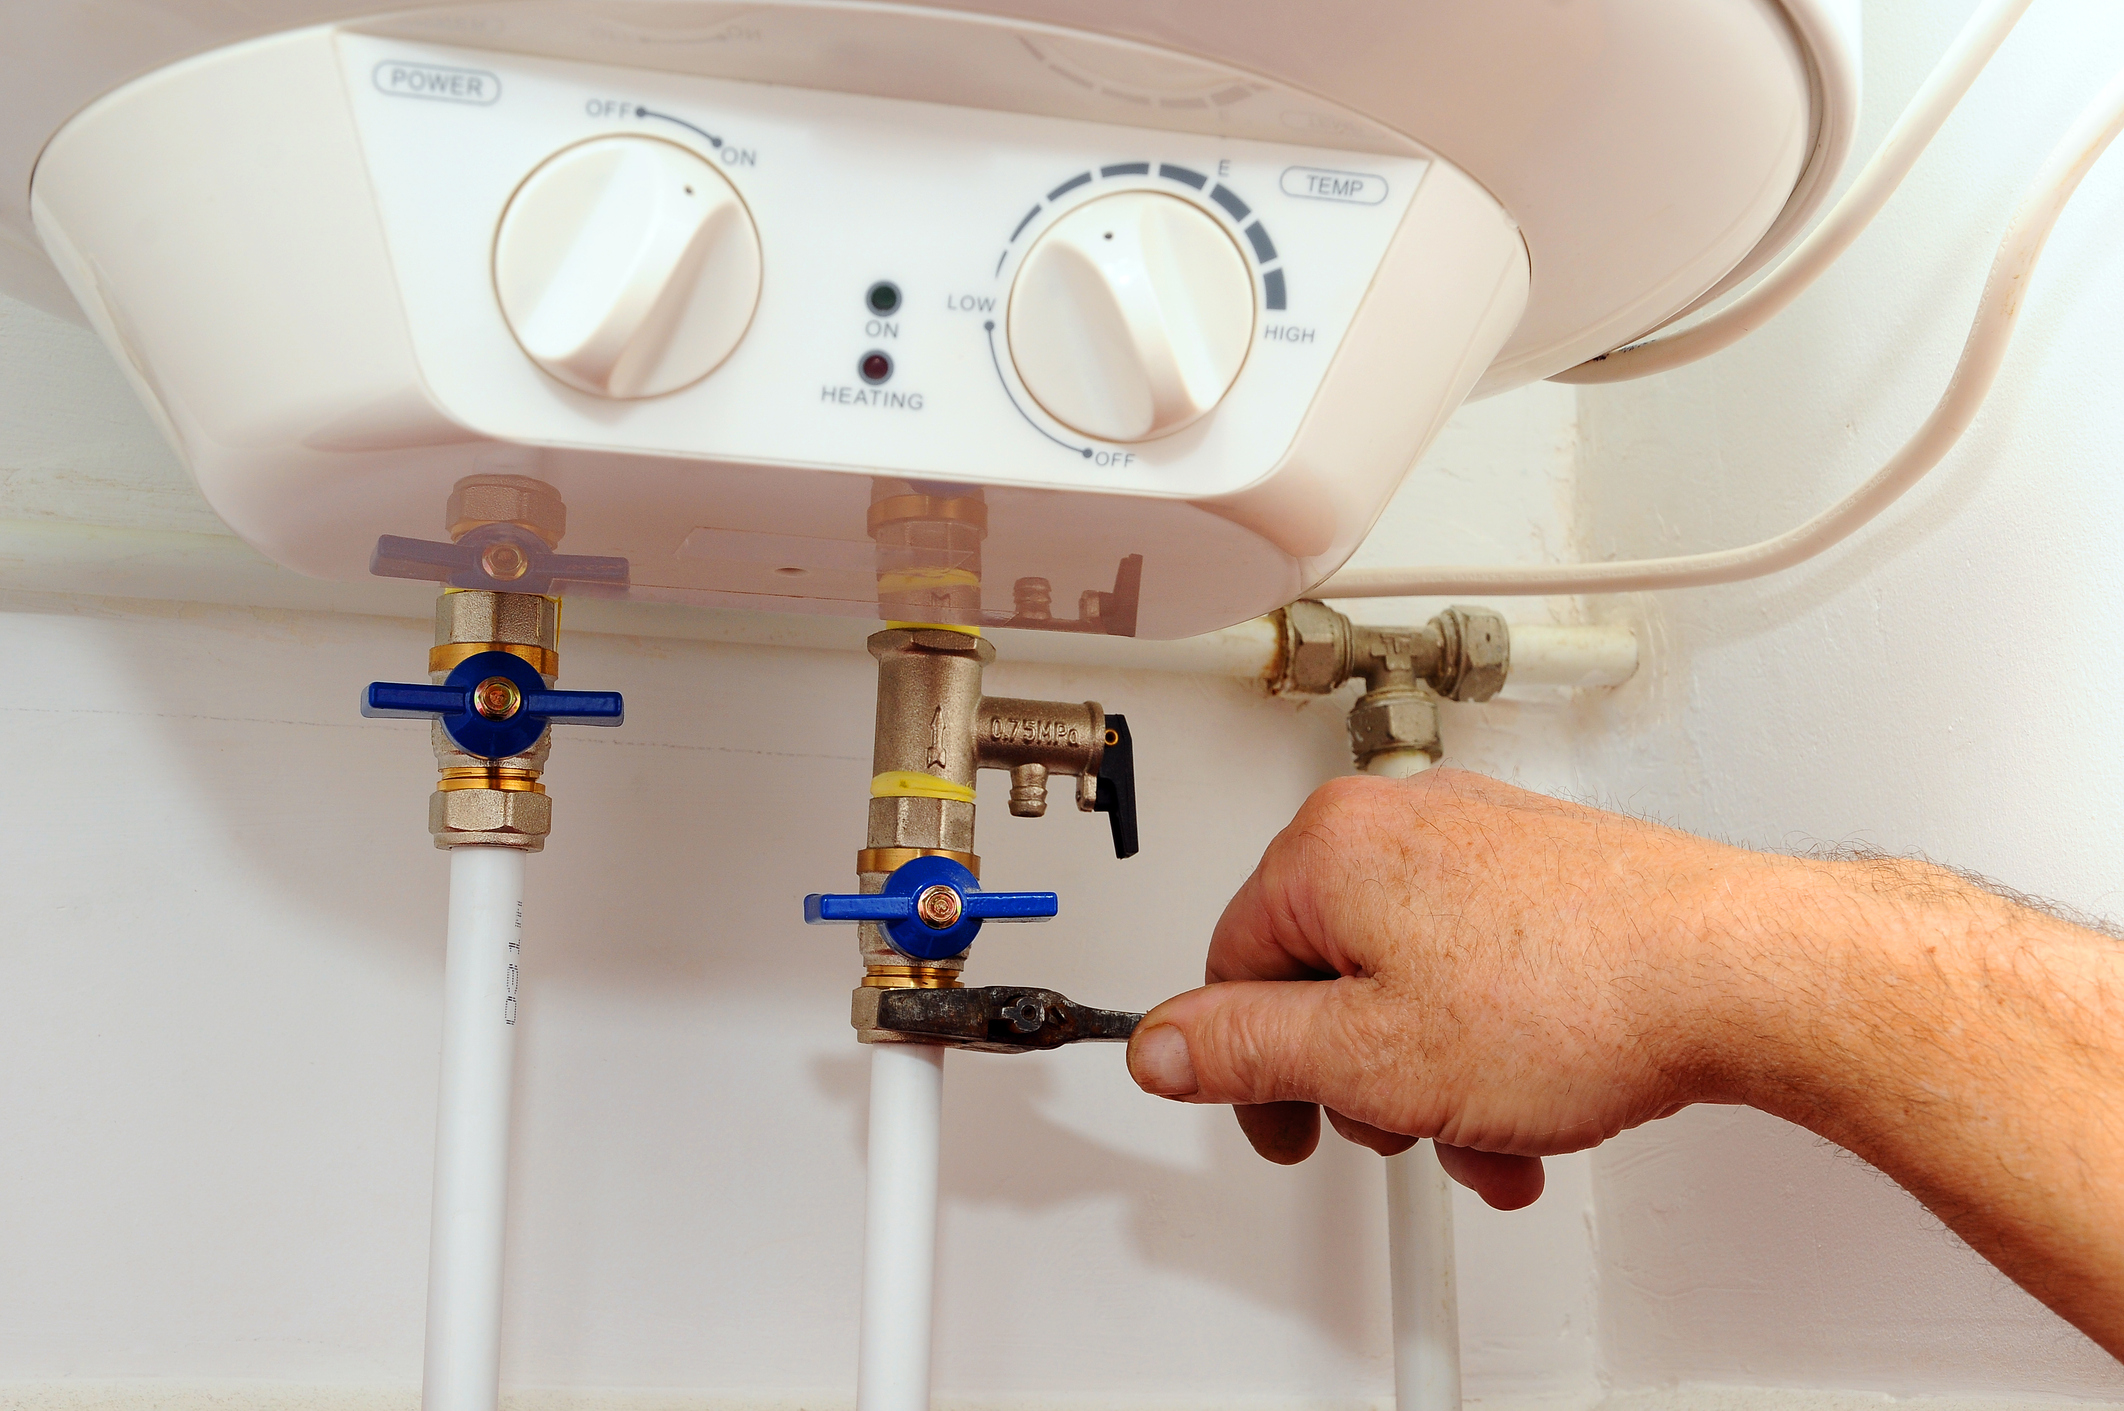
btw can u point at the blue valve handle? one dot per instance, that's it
(492, 737)
(898, 908)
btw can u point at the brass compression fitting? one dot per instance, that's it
(490, 695)
(1462, 654)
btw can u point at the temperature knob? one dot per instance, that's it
(1131, 315)
(627, 266)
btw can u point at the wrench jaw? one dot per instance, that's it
(987, 1019)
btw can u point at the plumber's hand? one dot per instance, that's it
(1512, 975)
(1450, 957)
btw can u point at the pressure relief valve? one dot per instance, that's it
(931, 908)
(493, 705)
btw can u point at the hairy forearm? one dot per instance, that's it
(1967, 1046)
(1516, 977)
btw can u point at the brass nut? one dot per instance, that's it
(1478, 653)
(504, 562)
(927, 509)
(947, 822)
(939, 907)
(479, 500)
(497, 619)
(895, 640)
(1397, 718)
(507, 817)
(1316, 642)
(497, 698)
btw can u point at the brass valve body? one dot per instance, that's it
(499, 802)
(935, 731)
(934, 728)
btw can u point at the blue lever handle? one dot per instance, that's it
(983, 906)
(578, 707)
(828, 906)
(392, 700)
(920, 922)
(489, 720)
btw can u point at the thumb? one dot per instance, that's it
(1257, 1041)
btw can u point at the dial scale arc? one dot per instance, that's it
(1249, 230)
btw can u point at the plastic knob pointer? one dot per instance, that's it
(931, 908)
(627, 266)
(1130, 316)
(493, 705)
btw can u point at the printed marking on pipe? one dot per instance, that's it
(401, 79)
(516, 953)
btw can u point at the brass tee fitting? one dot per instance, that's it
(1463, 654)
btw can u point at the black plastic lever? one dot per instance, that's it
(1117, 785)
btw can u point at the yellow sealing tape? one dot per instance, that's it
(931, 627)
(907, 784)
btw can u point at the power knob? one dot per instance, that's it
(1131, 316)
(627, 266)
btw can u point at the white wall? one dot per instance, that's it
(1947, 684)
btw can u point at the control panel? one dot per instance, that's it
(771, 275)
(1168, 332)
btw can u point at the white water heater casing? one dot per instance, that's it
(1194, 288)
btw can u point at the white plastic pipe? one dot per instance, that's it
(1420, 1238)
(1426, 1305)
(1398, 764)
(463, 1367)
(1854, 211)
(900, 1229)
(1998, 312)
(1545, 654)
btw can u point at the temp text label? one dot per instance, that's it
(1319, 184)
